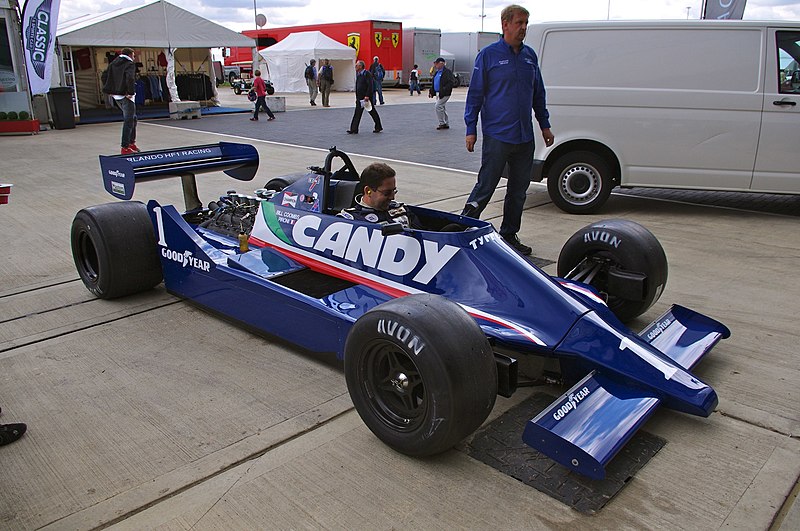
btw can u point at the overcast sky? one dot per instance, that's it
(447, 15)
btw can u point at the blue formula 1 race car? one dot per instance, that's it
(430, 323)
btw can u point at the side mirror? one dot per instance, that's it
(391, 228)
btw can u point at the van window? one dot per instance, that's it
(673, 58)
(788, 46)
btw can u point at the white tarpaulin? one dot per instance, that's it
(155, 25)
(287, 60)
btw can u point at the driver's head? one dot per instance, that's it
(378, 185)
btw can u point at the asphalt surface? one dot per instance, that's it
(147, 413)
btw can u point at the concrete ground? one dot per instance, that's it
(147, 413)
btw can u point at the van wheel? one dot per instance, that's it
(622, 260)
(114, 248)
(421, 373)
(579, 182)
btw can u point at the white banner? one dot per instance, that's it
(39, 20)
(723, 9)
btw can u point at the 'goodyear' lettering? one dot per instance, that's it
(185, 259)
(572, 403)
(659, 328)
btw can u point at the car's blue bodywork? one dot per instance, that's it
(306, 275)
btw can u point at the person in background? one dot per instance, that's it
(326, 82)
(119, 81)
(261, 97)
(378, 73)
(311, 80)
(505, 73)
(441, 89)
(364, 98)
(413, 81)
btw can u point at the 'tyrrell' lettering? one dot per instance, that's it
(481, 240)
(396, 254)
(601, 236)
(403, 334)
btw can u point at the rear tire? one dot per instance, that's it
(114, 249)
(420, 373)
(579, 182)
(626, 246)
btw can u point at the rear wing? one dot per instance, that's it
(122, 172)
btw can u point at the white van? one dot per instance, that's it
(709, 105)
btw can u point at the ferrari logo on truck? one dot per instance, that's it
(378, 38)
(395, 39)
(354, 41)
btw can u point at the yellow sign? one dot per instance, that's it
(378, 38)
(395, 39)
(354, 41)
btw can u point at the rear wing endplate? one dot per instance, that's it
(122, 172)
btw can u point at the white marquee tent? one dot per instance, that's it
(286, 61)
(157, 24)
(157, 27)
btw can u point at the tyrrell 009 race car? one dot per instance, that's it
(431, 324)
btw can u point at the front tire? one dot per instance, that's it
(421, 373)
(237, 90)
(579, 182)
(620, 258)
(114, 249)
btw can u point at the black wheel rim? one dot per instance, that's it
(393, 386)
(87, 258)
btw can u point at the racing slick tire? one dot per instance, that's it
(617, 249)
(114, 249)
(579, 182)
(420, 373)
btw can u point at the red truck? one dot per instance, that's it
(370, 38)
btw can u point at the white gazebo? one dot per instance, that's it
(287, 60)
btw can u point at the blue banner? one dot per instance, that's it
(39, 21)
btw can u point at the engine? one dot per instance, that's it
(233, 213)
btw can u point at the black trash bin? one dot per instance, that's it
(61, 107)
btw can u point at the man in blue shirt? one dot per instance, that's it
(506, 84)
(442, 89)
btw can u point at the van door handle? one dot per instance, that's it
(784, 102)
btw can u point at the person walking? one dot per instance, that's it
(119, 81)
(505, 86)
(326, 82)
(378, 73)
(365, 99)
(311, 80)
(413, 81)
(442, 89)
(261, 97)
